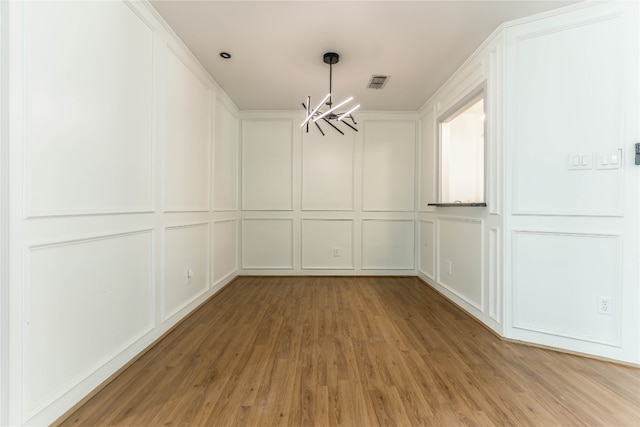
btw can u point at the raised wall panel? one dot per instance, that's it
(225, 159)
(493, 144)
(225, 249)
(558, 278)
(388, 177)
(267, 165)
(187, 142)
(88, 116)
(428, 160)
(388, 244)
(427, 249)
(185, 247)
(327, 171)
(85, 301)
(327, 243)
(568, 95)
(495, 274)
(460, 258)
(267, 243)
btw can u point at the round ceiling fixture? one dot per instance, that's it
(331, 58)
(225, 55)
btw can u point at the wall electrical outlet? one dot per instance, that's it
(605, 305)
(336, 252)
(189, 273)
(449, 267)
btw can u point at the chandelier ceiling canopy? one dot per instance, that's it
(325, 111)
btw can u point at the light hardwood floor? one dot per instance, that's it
(338, 351)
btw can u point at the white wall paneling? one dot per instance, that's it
(267, 243)
(465, 270)
(327, 171)
(110, 195)
(556, 291)
(460, 258)
(494, 169)
(186, 266)
(495, 274)
(428, 168)
(558, 110)
(560, 73)
(4, 216)
(88, 146)
(226, 148)
(388, 244)
(327, 244)
(225, 249)
(388, 163)
(187, 135)
(267, 164)
(428, 248)
(85, 301)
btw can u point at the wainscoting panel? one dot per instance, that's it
(427, 248)
(558, 279)
(428, 155)
(186, 266)
(226, 158)
(388, 165)
(187, 136)
(327, 244)
(88, 116)
(460, 258)
(558, 113)
(267, 243)
(267, 164)
(388, 244)
(495, 274)
(327, 171)
(85, 301)
(225, 249)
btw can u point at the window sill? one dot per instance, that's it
(463, 205)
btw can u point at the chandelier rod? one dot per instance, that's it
(330, 80)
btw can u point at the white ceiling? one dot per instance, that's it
(277, 46)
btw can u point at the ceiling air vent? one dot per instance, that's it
(377, 82)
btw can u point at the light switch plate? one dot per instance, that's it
(580, 161)
(609, 159)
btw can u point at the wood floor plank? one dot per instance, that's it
(354, 351)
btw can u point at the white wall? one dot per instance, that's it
(554, 238)
(572, 88)
(4, 217)
(334, 204)
(460, 248)
(123, 177)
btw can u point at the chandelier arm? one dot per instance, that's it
(306, 108)
(332, 125)
(350, 126)
(313, 113)
(318, 126)
(330, 110)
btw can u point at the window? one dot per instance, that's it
(462, 133)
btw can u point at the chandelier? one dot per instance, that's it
(325, 111)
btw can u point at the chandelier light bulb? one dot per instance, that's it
(315, 109)
(343, 115)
